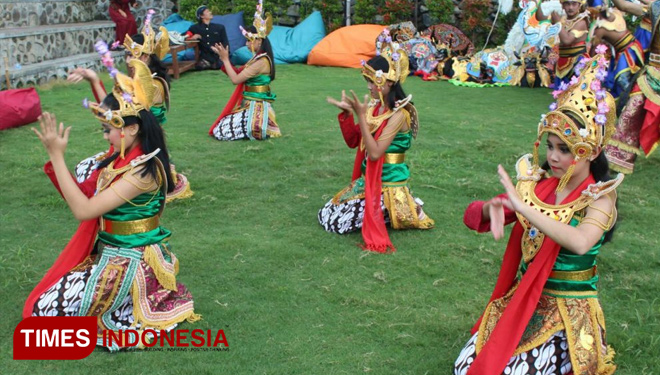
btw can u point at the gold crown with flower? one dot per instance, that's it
(396, 57)
(582, 2)
(584, 101)
(133, 94)
(151, 45)
(263, 25)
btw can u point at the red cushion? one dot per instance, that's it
(19, 107)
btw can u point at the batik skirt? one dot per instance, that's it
(125, 288)
(253, 119)
(344, 213)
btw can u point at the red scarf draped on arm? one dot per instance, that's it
(504, 339)
(374, 231)
(82, 242)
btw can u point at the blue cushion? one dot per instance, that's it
(174, 17)
(241, 56)
(292, 45)
(231, 22)
(179, 26)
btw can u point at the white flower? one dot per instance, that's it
(108, 115)
(379, 73)
(584, 133)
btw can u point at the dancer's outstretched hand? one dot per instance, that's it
(221, 51)
(344, 105)
(78, 74)
(54, 140)
(496, 213)
(359, 107)
(514, 202)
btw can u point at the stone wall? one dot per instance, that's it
(24, 13)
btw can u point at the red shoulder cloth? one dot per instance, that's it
(504, 339)
(374, 231)
(82, 242)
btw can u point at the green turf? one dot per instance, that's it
(292, 298)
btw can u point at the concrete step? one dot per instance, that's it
(23, 13)
(35, 44)
(42, 72)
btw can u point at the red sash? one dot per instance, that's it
(80, 245)
(504, 339)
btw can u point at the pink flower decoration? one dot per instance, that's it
(556, 93)
(552, 106)
(595, 85)
(600, 119)
(601, 94)
(603, 108)
(601, 49)
(574, 80)
(85, 103)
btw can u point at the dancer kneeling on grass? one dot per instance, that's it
(118, 266)
(249, 113)
(544, 316)
(149, 49)
(387, 124)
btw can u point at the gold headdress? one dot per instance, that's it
(396, 57)
(582, 102)
(133, 94)
(152, 45)
(582, 2)
(263, 25)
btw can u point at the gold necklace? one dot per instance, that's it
(375, 121)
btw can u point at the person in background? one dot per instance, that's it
(208, 34)
(120, 14)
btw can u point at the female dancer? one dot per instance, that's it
(387, 123)
(150, 50)
(118, 266)
(249, 113)
(549, 319)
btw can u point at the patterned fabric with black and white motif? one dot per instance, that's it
(233, 127)
(346, 217)
(87, 166)
(550, 358)
(65, 296)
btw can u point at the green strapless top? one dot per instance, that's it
(260, 80)
(141, 207)
(569, 261)
(396, 172)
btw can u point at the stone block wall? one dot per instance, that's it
(24, 13)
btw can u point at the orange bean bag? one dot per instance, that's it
(346, 46)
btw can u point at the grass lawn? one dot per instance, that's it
(292, 298)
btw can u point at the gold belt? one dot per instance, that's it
(584, 275)
(126, 228)
(264, 88)
(394, 158)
